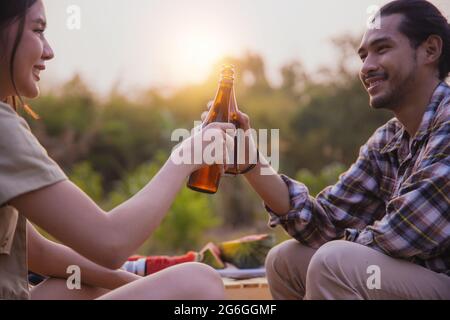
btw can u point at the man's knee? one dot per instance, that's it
(278, 257)
(329, 255)
(328, 269)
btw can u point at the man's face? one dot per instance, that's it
(389, 69)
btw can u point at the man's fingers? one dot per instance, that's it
(244, 120)
(228, 151)
(208, 107)
(204, 115)
(229, 142)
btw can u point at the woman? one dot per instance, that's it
(33, 187)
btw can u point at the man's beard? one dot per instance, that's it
(395, 94)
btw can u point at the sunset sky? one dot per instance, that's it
(169, 43)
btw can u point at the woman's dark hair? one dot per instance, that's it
(10, 12)
(422, 19)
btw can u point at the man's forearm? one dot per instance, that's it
(271, 188)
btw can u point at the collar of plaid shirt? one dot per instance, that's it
(426, 125)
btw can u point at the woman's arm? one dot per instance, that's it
(109, 239)
(52, 259)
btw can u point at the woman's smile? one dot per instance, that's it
(37, 70)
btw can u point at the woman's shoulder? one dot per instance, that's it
(8, 114)
(24, 162)
(10, 121)
(6, 109)
(15, 134)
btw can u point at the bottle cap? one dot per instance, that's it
(227, 71)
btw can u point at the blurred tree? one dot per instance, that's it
(326, 133)
(130, 135)
(235, 203)
(90, 181)
(317, 182)
(294, 77)
(69, 122)
(183, 227)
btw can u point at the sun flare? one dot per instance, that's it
(195, 53)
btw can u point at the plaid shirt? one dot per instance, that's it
(395, 198)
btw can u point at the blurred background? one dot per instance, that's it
(137, 70)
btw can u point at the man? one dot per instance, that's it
(383, 231)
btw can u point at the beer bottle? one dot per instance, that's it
(233, 117)
(207, 179)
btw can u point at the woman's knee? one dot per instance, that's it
(203, 281)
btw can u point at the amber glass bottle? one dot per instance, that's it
(233, 117)
(224, 109)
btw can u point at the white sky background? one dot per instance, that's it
(170, 43)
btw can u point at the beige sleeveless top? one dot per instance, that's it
(24, 166)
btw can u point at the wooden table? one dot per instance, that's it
(249, 289)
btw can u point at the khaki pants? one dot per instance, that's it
(345, 270)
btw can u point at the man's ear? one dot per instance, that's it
(432, 49)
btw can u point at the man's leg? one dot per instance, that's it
(286, 266)
(344, 270)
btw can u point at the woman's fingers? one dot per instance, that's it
(223, 134)
(223, 126)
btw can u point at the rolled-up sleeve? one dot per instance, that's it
(353, 202)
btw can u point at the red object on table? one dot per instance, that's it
(144, 266)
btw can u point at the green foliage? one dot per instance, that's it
(185, 224)
(183, 229)
(90, 181)
(332, 126)
(317, 182)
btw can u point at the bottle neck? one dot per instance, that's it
(226, 82)
(233, 97)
